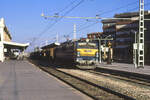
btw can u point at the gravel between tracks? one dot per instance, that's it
(135, 91)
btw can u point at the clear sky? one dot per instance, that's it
(24, 22)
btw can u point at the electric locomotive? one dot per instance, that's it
(83, 54)
(87, 53)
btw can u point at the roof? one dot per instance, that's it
(95, 33)
(130, 14)
(15, 45)
(50, 45)
(109, 21)
(133, 15)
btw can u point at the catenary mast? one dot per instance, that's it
(140, 37)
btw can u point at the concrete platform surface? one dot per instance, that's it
(20, 80)
(126, 67)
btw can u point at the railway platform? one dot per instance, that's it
(20, 80)
(130, 68)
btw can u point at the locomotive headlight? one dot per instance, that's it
(97, 55)
(78, 54)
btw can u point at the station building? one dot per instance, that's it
(6, 45)
(123, 32)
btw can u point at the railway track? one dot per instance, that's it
(94, 86)
(133, 77)
(130, 78)
(94, 91)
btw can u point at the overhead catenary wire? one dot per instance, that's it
(110, 11)
(118, 8)
(63, 15)
(66, 7)
(94, 17)
(136, 8)
(97, 17)
(106, 12)
(50, 26)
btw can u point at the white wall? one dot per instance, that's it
(2, 25)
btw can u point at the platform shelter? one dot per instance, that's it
(6, 45)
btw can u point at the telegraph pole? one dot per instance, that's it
(57, 38)
(74, 32)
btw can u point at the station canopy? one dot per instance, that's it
(14, 45)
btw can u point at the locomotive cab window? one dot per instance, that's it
(91, 45)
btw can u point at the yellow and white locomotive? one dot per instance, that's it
(83, 54)
(87, 53)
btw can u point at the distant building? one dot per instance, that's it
(124, 32)
(94, 35)
(82, 39)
